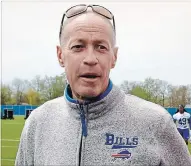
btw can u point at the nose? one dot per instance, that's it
(90, 58)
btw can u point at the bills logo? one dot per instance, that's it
(121, 142)
(123, 155)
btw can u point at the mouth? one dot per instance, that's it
(89, 76)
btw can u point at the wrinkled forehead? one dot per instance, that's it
(89, 20)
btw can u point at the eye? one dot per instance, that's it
(77, 47)
(101, 47)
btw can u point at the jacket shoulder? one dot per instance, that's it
(55, 106)
(146, 108)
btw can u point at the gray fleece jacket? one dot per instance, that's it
(113, 129)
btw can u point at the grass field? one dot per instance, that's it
(10, 135)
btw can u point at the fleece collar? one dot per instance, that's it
(96, 107)
(68, 94)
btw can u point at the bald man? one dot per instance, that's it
(95, 123)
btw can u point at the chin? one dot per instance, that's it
(89, 92)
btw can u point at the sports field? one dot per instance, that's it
(10, 135)
(11, 130)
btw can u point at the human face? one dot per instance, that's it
(87, 52)
(181, 109)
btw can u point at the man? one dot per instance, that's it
(182, 119)
(95, 123)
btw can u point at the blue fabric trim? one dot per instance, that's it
(101, 96)
(70, 99)
(83, 121)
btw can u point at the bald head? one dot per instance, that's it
(90, 21)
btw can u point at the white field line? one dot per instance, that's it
(8, 159)
(9, 146)
(13, 140)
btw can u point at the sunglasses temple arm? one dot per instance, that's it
(61, 26)
(114, 25)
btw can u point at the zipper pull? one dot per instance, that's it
(83, 121)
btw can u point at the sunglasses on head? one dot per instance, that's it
(79, 9)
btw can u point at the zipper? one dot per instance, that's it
(80, 150)
(84, 131)
(83, 121)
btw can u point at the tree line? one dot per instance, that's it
(41, 89)
(34, 92)
(159, 91)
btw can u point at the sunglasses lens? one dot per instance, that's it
(103, 11)
(75, 10)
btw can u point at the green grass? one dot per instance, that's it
(10, 134)
(189, 147)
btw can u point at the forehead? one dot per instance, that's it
(90, 24)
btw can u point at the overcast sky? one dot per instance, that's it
(154, 40)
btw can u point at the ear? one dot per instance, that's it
(60, 56)
(114, 60)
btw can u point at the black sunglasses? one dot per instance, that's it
(79, 9)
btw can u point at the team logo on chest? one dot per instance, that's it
(125, 154)
(123, 143)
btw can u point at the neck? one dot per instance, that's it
(75, 98)
(81, 99)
